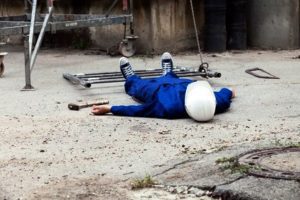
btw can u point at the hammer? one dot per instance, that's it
(78, 106)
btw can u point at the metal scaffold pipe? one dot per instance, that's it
(32, 25)
(40, 39)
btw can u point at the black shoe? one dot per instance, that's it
(126, 68)
(166, 63)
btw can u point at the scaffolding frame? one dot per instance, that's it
(87, 80)
(35, 23)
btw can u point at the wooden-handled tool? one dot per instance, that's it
(79, 105)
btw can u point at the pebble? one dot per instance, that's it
(181, 189)
(200, 193)
(194, 190)
(171, 189)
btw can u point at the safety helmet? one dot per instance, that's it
(200, 101)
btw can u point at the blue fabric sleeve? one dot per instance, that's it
(132, 110)
(223, 98)
(145, 110)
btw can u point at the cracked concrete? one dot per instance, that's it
(45, 149)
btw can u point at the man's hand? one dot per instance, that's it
(233, 93)
(101, 110)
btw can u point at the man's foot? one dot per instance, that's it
(166, 63)
(126, 68)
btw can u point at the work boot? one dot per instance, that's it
(126, 68)
(166, 63)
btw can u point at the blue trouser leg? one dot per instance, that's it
(144, 89)
(141, 89)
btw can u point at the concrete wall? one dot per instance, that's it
(274, 24)
(166, 25)
(161, 25)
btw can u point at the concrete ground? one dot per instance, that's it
(50, 152)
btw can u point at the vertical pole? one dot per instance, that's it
(26, 6)
(28, 85)
(32, 25)
(131, 22)
(125, 5)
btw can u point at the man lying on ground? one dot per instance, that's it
(168, 96)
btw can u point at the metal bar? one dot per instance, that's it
(40, 39)
(12, 31)
(14, 18)
(76, 80)
(72, 17)
(4, 24)
(179, 70)
(95, 81)
(28, 85)
(111, 7)
(143, 75)
(112, 73)
(65, 25)
(86, 80)
(251, 72)
(32, 25)
(68, 25)
(131, 20)
(91, 22)
(56, 17)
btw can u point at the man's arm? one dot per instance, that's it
(144, 110)
(223, 98)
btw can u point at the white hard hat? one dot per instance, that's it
(200, 101)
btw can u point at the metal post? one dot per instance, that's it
(40, 38)
(32, 25)
(131, 22)
(26, 6)
(111, 7)
(28, 85)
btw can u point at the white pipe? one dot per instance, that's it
(32, 25)
(40, 39)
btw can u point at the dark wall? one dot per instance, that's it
(167, 24)
(160, 24)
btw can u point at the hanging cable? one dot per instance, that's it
(203, 64)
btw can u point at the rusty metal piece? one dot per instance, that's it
(127, 47)
(276, 163)
(2, 67)
(251, 72)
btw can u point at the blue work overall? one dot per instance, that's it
(163, 97)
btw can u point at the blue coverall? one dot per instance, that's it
(163, 97)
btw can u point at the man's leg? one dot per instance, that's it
(126, 68)
(166, 63)
(141, 89)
